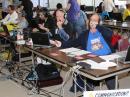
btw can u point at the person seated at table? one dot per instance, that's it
(115, 39)
(11, 19)
(126, 12)
(46, 22)
(64, 29)
(96, 40)
(22, 22)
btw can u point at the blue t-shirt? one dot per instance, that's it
(97, 45)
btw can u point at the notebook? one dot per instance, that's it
(126, 59)
(40, 39)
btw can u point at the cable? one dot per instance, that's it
(72, 70)
(76, 73)
(64, 83)
(74, 76)
(92, 88)
(34, 90)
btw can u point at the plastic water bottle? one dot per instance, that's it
(19, 36)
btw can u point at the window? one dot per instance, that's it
(120, 2)
(42, 3)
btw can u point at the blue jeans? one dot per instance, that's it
(110, 82)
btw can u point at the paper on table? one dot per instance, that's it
(95, 65)
(110, 57)
(108, 64)
(69, 50)
(79, 52)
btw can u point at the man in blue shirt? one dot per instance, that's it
(96, 43)
(96, 40)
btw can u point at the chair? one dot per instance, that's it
(13, 63)
(123, 44)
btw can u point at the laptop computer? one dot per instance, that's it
(40, 39)
(6, 30)
(8, 35)
(126, 59)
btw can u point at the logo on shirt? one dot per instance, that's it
(96, 44)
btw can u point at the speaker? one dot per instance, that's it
(46, 14)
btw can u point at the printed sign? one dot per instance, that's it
(108, 93)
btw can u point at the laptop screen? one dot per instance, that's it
(128, 55)
(6, 30)
(40, 39)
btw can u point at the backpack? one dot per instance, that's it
(43, 72)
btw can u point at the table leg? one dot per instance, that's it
(116, 83)
(75, 87)
(101, 85)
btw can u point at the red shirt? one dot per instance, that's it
(115, 39)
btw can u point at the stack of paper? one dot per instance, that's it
(80, 52)
(69, 50)
(74, 51)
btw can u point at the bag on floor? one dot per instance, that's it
(45, 75)
(44, 72)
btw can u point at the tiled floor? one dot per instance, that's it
(9, 88)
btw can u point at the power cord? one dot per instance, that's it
(70, 72)
(74, 71)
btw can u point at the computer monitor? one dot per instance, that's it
(40, 39)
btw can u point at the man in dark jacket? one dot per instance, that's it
(46, 23)
(96, 40)
(64, 29)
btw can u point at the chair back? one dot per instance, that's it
(123, 44)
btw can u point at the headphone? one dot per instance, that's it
(45, 13)
(65, 14)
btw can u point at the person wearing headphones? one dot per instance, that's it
(46, 22)
(64, 29)
(97, 40)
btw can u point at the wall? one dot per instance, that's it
(52, 3)
(82, 2)
(90, 2)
